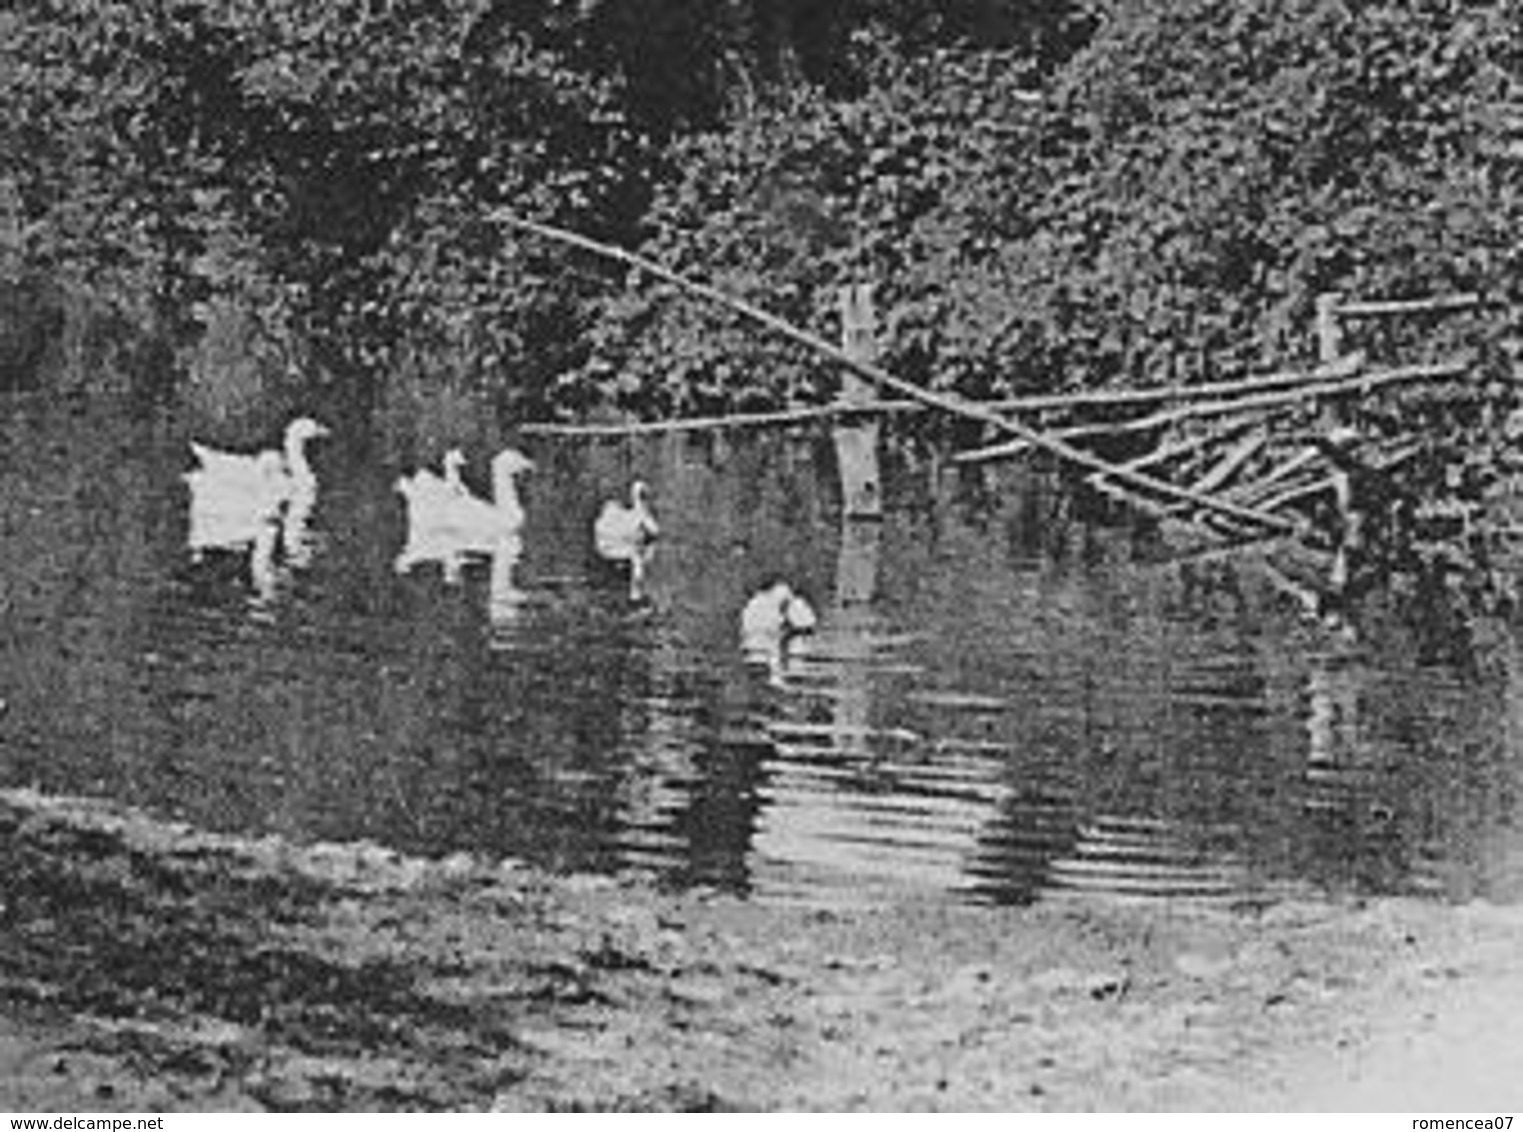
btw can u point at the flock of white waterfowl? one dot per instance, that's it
(262, 502)
(446, 521)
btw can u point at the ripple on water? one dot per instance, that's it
(981, 712)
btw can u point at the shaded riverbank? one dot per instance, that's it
(150, 966)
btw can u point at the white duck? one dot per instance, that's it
(768, 623)
(230, 512)
(441, 510)
(242, 515)
(426, 488)
(773, 614)
(256, 472)
(622, 531)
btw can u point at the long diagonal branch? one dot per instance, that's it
(955, 406)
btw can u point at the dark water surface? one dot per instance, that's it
(999, 703)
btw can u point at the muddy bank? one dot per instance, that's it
(151, 966)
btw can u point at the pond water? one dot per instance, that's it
(1000, 702)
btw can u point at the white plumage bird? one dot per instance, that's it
(287, 471)
(427, 489)
(443, 516)
(241, 514)
(229, 512)
(623, 530)
(769, 623)
(773, 614)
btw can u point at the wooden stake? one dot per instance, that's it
(1329, 332)
(857, 444)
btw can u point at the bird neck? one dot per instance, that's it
(297, 466)
(504, 488)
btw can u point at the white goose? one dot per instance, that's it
(256, 473)
(769, 621)
(426, 490)
(773, 614)
(241, 515)
(230, 512)
(622, 531)
(443, 510)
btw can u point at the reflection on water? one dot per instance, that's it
(997, 701)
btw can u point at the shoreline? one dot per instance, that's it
(146, 965)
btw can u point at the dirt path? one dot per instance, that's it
(1446, 1037)
(150, 966)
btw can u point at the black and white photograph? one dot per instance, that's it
(828, 556)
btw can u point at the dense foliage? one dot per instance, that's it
(1186, 187)
(1229, 162)
(1043, 195)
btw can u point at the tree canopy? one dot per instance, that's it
(1099, 191)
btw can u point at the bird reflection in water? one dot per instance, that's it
(451, 551)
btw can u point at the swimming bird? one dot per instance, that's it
(427, 487)
(243, 515)
(257, 471)
(768, 624)
(231, 512)
(774, 613)
(622, 531)
(444, 511)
